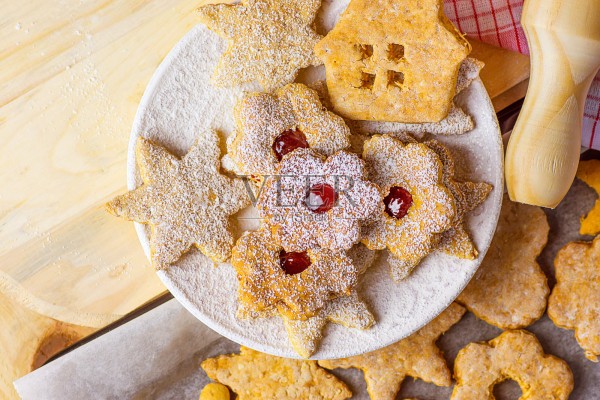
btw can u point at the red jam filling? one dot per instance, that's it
(397, 202)
(289, 141)
(293, 263)
(320, 198)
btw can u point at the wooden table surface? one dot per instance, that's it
(71, 77)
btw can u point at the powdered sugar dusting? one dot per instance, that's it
(181, 100)
(283, 205)
(262, 117)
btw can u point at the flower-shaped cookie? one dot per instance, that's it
(575, 300)
(299, 284)
(515, 355)
(417, 204)
(270, 126)
(269, 40)
(317, 202)
(186, 201)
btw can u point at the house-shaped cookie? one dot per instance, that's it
(393, 60)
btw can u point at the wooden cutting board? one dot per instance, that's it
(71, 77)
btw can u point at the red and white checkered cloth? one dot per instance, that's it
(497, 22)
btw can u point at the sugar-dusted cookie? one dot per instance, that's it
(214, 391)
(418, 206)
(390, 61)
(253, 375)
(589, 172)
(515, 355)
(416, 356)
(269, 40)
(316, 201)
(269, 126)
(298, 284)
(349, 311)
(575, 300)
(468, 196)
(510, 289)
(186, 202)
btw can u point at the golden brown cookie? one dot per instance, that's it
(515, 355)
(186, 202)
(575, 300)
(318, 202)
(297, 284)
(510, 289)
(416, 356)
(387, 61)
(418, 206)
(269, 126)
(269, 40)
(349, 311)
(468, 196)
(253, 375)
(589, 172)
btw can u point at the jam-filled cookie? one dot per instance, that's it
(298, 284)
(315, 201)
(269, 126)
(418, 206)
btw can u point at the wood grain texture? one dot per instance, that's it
(543, 151)
(71, 77)
(27, 340)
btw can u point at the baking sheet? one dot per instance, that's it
(157, 355)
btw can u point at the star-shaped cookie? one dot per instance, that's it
(349, 311)
(253, 375)
(269, 40)
(416, 356)
(468, 195)
(186, 202)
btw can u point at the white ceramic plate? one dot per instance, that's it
(175, 108)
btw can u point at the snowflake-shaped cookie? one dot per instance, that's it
(186, 201)
(272, 125)
(575, 300)
(418, 206)
(269, 40)
(318, 202)
(298, 284)
(416, 356)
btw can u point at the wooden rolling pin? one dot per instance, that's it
(543, 151)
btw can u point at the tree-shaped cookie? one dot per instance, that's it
(416, 356)
(269, 40)
(575, 300)
(253, 375)
(510, 269)
(393, 61)
(186, 202)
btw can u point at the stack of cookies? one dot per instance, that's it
(331, 193)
